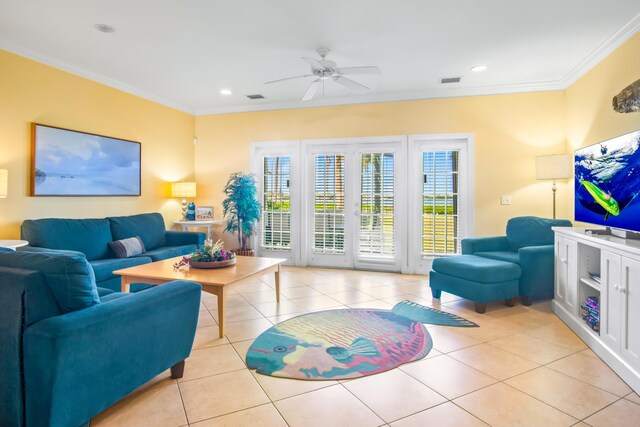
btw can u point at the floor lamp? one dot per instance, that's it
(554, 167)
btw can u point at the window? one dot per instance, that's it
(276, 203)
(440, 203)
(329, 209)
(377, 204)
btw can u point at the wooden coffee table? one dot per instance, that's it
(212, 281)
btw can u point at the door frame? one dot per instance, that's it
(415, 263)
(259, 150)
(352, 183)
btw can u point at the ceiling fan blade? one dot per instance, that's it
(358, 70)
(312, 90)
(351, 84)
(290, 78)
(315, 64)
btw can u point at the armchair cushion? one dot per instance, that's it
(507, 256)
(69, 277)
(89, 236)
(532, 231)
(150, 227)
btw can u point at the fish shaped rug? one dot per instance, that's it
(347, 343)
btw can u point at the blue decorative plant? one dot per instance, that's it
(241, 208)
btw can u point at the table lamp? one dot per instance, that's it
(4, 183)
(557, 166)
(183, 190)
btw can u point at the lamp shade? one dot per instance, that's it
(183, 189)
(4, 183)
(557, 166)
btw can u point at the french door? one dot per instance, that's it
(383, 203)
(355, 202)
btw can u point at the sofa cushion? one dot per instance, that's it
(477, 269)
(150, 227)
(70, 277)
(89, 236)
(112, 296)
(169, 252)
(532, 231)
(104, 268)
(126, 248)
(506, 256)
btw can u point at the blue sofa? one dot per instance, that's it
(67, 354)
(490, 266)
(91, 237)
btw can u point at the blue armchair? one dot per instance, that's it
(67, 354)
(529, 244)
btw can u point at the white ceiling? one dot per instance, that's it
(182, 52)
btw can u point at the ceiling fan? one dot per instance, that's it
(324, 69)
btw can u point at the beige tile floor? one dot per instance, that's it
(522, 367)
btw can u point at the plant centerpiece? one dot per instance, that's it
(211, 255)
(241, 209)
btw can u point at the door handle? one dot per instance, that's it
(563, 260)
(622, 290)
(616, 287)
(357, 213)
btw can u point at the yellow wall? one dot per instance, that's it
(509, 130)
(590, 115)
(33, 92)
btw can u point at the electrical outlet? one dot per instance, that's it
(505, 200)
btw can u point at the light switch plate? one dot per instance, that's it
(505, 200)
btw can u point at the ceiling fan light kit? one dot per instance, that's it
(324, 69)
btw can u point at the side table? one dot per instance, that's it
(198, 223)
(13, 244)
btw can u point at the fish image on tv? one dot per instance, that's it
(607, 183)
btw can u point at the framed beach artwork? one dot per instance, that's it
(71, 163)
(204, 213)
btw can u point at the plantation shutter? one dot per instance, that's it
(329, 209)
(377, 204)
(276, 203)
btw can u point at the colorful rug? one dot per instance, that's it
(347, 343)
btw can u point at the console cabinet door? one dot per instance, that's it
(610, 300)
(630, 312)
(566, 282)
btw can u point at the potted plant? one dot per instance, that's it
(241, 209)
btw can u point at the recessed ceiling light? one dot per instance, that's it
(104, 28)
(478, 68)
(225, 92)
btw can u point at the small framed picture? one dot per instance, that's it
(204, 213)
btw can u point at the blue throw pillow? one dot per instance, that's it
(69, 276)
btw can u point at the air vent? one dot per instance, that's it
(256, 96)
(448, 80)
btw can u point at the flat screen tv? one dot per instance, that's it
(607, 183)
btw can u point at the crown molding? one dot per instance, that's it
(601, 52)
(98, 78)
(590, 61)
(390, 97)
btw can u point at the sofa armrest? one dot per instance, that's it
(537, 271)
(181, 238)
(484, 244)
(56, 251)
(80, 363)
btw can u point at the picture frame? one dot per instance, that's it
(71, 163)
(204, 213)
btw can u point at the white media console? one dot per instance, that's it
(580, 256)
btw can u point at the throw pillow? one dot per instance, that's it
(126, 248)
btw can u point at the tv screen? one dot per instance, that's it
(607, 181)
